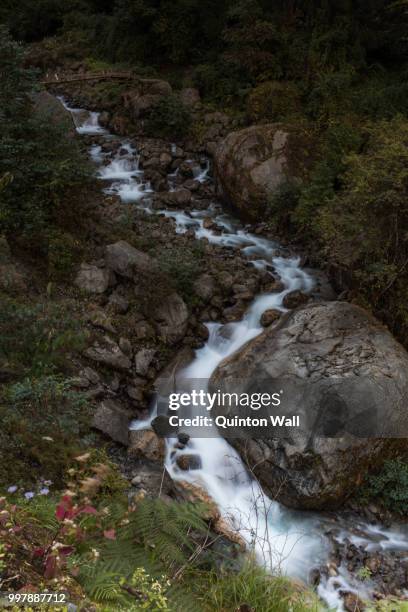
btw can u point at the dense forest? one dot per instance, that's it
(81, 346)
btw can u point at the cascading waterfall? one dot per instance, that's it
(288, 540)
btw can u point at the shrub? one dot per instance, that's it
(44, 418)
(389, 486)
(273, 101)
(221, 82)
(169, 118)
(63, 253)
(43, 163)
(44, 422)
(35, 339)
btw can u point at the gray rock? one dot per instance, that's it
(251, 164)
(346, 377)
(171, 317)
(93, 279)
(135, 394)
(190, 96)
(205, 287)
(90, 375)
(118, 303)
(127, 261)
(99, 318)
(113, 420)
(126, 346)
(108, 353)
(143, 330)
(177, 199)
(143, 359)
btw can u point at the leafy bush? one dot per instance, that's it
(35, 339)
(221, 82)
(169, 118)
(273, 101)
(390, 486)
(44, 422)
(44, 418)
(44, 164)
(63, 253)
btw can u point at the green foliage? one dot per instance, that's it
(43, 421)
(182, 266)
(36, 339)
(273, 101)
(43, 416)
(257, 589)
(389, 486)
(63, 254)
(365, 225)
(221, 82)
(44, 162)
(169, 118)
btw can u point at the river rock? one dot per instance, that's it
(93, 279)
(178, 199)
(347, 378)
(270, 316)
(251, 164)
(171, 317)
(113, 420)
(125, 260)
(145, 443)
(189, 462)
(295, 299)
(107, 352)
(194, 494)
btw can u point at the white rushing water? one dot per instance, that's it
(292, 542)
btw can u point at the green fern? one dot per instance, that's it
(160, 537)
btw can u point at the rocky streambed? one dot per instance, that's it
(332, 353)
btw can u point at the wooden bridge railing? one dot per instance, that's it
(89, 76)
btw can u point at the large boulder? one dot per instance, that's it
(125, 260)
(346, 377)
(251, 164)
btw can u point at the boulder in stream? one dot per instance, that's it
(345, 376)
